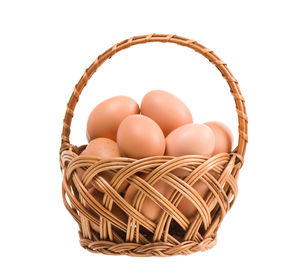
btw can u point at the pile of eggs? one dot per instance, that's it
(161, 125)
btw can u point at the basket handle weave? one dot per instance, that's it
(210, 55)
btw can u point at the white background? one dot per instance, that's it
(46, 46)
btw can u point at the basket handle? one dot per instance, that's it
(210, 55)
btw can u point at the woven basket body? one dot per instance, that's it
(101, 231)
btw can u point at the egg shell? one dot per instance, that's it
(116, 210)
(103, 148)
(149, 208)
(186, 207)
(106, 117)
(180, 173)
(168, 111)
(139, 137)
(223, 137)
(195, 139)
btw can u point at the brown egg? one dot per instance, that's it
(138, 137)
(223, 137)
(190, 139)
(180, 173)
(149, 208)
(104, 148)
(104, 120)
(186, 207)
(116, 210)
(166, 110)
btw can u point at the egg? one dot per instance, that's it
(180, 173)
(190, 139)
(105, 118)
(149, 208)
(166, 110)
(138, 137)
(223, 137)
(103, 148)
(116, 210)
(185, 206)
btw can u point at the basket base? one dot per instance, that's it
(158, 249)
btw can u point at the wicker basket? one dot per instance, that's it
(173, 233)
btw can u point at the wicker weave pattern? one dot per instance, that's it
(173, 233)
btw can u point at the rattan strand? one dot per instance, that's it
(173, 233)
